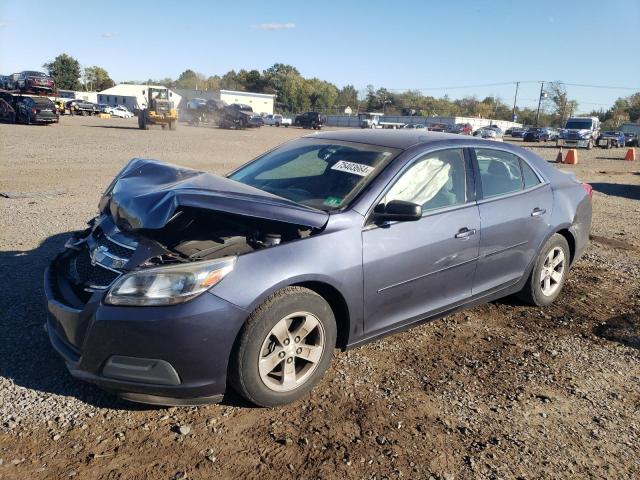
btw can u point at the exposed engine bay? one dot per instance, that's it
(155, 215)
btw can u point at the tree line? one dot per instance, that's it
(295, 93)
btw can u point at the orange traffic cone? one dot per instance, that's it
(559, 156)
(572, 156)
(631, 155)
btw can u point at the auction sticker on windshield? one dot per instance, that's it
(350, 167)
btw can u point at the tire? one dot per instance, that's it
(277, 124)
(590, 145)
(533, 292)
(263, 385)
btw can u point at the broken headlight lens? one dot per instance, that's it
(168, 285)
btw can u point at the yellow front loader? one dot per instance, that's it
(160, 110)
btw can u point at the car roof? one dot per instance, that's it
(401, 138)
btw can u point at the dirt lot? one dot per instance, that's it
(500, 391)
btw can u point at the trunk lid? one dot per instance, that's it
(146, 194)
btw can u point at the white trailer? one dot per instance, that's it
(373, 120)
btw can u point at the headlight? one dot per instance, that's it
(168, 285)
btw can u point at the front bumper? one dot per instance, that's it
(194, 340)
(570, 142)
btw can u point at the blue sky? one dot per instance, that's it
(396, 44)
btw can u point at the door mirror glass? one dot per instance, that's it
(397, 211)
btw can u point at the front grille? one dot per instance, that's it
(90, 276)
(115, 248)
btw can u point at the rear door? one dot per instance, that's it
(413, 269)
(515, 209)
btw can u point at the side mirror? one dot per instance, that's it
(397, 211)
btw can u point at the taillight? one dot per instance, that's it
(588, 188)
(33, 110)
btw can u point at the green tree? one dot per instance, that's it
(191, 80)
(65, 70)
(347, 97)
(97, 78)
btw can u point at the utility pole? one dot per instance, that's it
(539, 102)
(515, 100)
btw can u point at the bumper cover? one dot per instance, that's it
(104, 344)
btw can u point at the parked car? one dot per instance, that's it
(81, 107)
(460, 129)
(7, 112)
(518, 132)
(32, 81)
(415, 126)
(309, 120)
(256, 121)
(611, 139)
(120, 111)
(489, 133)
(497, 129)
(276, 120)
(631, 134)
(4, 82)
(537, 134)
(437, 127)
(35, 110)
(631, 139)
(187, 282)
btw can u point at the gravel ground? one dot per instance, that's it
(500, 391)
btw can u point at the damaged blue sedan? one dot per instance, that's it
(188, 283)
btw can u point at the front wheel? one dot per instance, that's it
(549, 273)
(284, 348)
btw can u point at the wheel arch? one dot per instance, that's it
(571, 240)
(338, 304)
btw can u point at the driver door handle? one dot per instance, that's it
(465, 232)
(538, 211)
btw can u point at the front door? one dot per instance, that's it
(412, 269)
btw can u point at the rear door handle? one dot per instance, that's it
(465, 232)
(538, 211)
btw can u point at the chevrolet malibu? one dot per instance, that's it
(188, 282)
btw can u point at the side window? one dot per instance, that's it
(529, 176)
(435, 181)
(499, 172)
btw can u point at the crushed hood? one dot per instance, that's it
(146, 194)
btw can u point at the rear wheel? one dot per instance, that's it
(284, 348)
(549, 273)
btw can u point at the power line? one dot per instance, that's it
(502, 84)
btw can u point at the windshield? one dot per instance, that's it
(323, 174)
(579, 124)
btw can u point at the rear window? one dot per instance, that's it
(42, 101)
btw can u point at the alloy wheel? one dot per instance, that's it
(291, 351)
(552, 271)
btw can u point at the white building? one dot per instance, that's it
(134, 97)
(259, 102)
